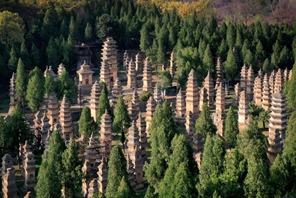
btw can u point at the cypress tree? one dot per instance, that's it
(72, 174)
(13, 60)
(117, 171)
(5, 138)
(35, 90)
(204, 124)
(88, 32)
(239, 39)
(124, 190)
(24, 54)
(104, 104)
(86, 123)
(248, 58)
(230, 35)
(35, 55)
(65, 85)
(230, 64)
(222, 50)
(208, 60)
(52, 53)
(231, 128)
(20, 82)
(49, 85)
(266, 66)
(290, 91)
(73, 30)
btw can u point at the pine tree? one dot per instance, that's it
(145, 39)
(239, 39)
(35, 89)
(260, 53)
(86, 123)
(231, 128)
(49, 180)
(208, 59)
(5, 138)
(104, 103)
(72, 175)
(20, 82)
(248, 58)
(222, 50)
(73, 30)
(204, 124)
(13, 60)
(24, 54)
(290, 91)
(88, 32)
(266, 66)
(49, 85)
(117, 171)
(124, 190)
(149, 192)
(212, 166)
(35, 55)
(230, 35)
(52, 53)
(230, 64)
(65, 85)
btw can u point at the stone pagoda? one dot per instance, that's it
(131, 75)
(147, 76)
(290, 74)
(197, 147)
(136, 101)
(116, 91)
(132, 111)
(9, 188)
(278, 80)
(236, 93)
(141, 125)
(250, 84)
(105, 132)
(192, 99)
(134, 153)
(150, 108)
(277, 125)
(258, 91)
(29, 171)
(189, 125)
(109, 53)
(180, 109)
(94, 100)
(265, 94)
(157, 94)
(138, 59)
(210, 91)
(66, 120)
(79, 94)
(93, 188)
(53, 109)
(220, 110)
(286, 75)
(44, 127)
(105, 75)
(85, 75)
(125, 60)
(243, 78)
(220, 73)
(60, 69)
(103, 175)
(12, 94)
(272, 82)
(49, 71)
(203, 97)
(172, 66)
(131, 172)
(6, 163)
(243, 111)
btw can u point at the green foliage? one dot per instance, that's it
(121, 118)
(24, 54)
(35, 55)
(204, 124)
(20, 82)
(52, 53)
(5, 138)
(231, 128)
(65, 86)
(144, 95)
(88, 32)
(290, 91)
(103, 26)
(165, 79)
(117, 172)
(230, 64)
(35, 89)
(13, 60)
(86, 123)
(49, 85)
(72, 174)
(124, 190)
(255, 110)
(207, 60)
(104, 104)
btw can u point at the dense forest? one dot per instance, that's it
(35, 33)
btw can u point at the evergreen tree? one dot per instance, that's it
(248, 59)
(35, 89)
(24, 54)
(5, 138)
(35, 55)
(104, 104)
(124, 190)
(204, 124)
(212, 166)
(86, 123)
(52, 53)
(149, 192)
(222, 50)
(230, 35)
(73, 29)
(13, 60)
(260, 53)
(117, 172)
(290, 91)
(65, 85)
(49, 85)
(239, 39)
(230, 64)
(20, 82)
(88, 32)
(231, 128)
(49, 180)
(208, 60)
(145, 39)
(266, 66)
(72, 175)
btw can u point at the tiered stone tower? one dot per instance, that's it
(49, 71)
(125, 60)
(132, 111)
(243, 111)
(60, 69)
(236, 93)
(192, 95)
(180, 109)
(93, 187)
(79, 94)
(53, 109)
(250, 84)
(172, 66)
(105, 132)
(157, 94)
(46, 142)
(272, 82)
(139, 67)
(189, 125)
(141, 124)
(116, 92)
(277, 125)
(105, 75)
(29, 171)
(203, 97)
(103, 175)
(134, 152)
(151, 105)
(147, 76)
(6, 163)
(220, 109)
(131, 172)
(66, 120)
(265, 94)
(278, 80)
(258, 91)
(94, 100)
(136, 101)
(220, 73)
(44, 127)
(131, 75)
(209, 86)
(286, 75)
(12, 94)
(85, 77)
(109, 53)
(243, 79)
(290, 74)
(9, 187)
